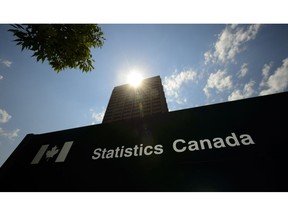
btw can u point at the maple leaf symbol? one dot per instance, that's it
(52, 152)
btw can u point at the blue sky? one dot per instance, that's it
(199, 64)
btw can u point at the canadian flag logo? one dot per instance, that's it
(50, 153)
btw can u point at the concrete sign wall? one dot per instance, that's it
(233, 146)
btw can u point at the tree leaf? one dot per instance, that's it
(63, 46)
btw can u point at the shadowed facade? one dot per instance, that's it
(128, 102)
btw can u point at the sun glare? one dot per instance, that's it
(135, 79)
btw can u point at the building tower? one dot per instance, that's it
(128, 102)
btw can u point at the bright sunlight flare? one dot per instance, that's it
(135, 79)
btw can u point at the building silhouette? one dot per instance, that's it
(128, 102)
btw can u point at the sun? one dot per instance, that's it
(135, 79)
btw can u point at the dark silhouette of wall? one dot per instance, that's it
(233, 164)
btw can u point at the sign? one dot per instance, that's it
(52, 152)
(232, 146)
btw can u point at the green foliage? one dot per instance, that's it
(62, 45)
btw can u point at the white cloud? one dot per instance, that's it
(1, 77)
(278, 81)
(247, 92)
(243, 71)
(233, 26)
(172, 85)
(7, 63)
(265, 73)
(208, 56)
(219, 81)
(97, 116)
(230, 42)
(10, 135)
(4, 116)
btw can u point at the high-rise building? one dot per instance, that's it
(128, 102)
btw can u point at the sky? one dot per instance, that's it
(199, 64)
